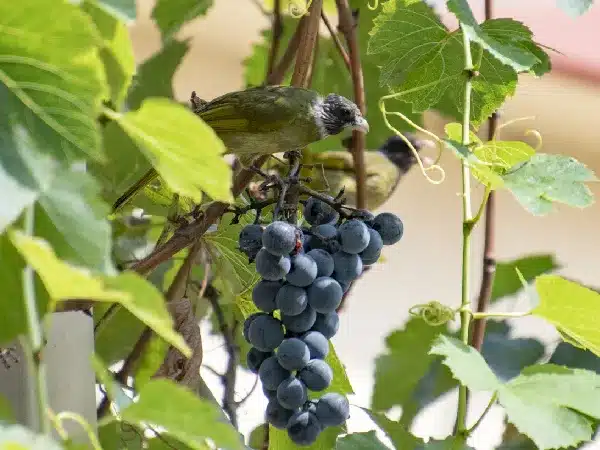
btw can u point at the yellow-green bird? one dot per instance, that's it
(270, 119)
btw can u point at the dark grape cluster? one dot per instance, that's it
(305, 273)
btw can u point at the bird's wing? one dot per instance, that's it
(260, 109)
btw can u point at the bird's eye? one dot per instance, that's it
(346, 113)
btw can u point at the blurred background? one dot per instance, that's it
(563, 106)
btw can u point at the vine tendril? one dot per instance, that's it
(375, 5)
(433, 313)
(295, 9)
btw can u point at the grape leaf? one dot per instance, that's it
(151, 360)
(510, 55)
(111, 436)
(50, 96)
(572, 308)
(545, 179)
(479, 169)
(18, 437)
(426, 62)
(506, 281)
(505, 355)
(184, 150)
(450, 443)
(72, 218)
(406, 358)
(360, 441)
(171, 15)
(65, 282)
(550, 403)
(575, 8)
(184, 415)
(154, 77)
(121, 9)
(465, 363)
(117, 51)
(279, 440)
(398, 434)
(568, 355)
(115, 339)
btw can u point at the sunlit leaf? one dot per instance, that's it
(122, 9)
(506, 281)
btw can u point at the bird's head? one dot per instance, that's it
(401, 155)
(335, 114)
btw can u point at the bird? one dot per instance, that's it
(385, 167)
(266, 120)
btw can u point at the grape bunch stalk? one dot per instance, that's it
(305, 272)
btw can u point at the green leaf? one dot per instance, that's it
(72, 218)
(545, 179)
(154, 77)
(115, 339)
(507, 356)
(360, 441)
(7, 415)
(406, 359)
(50, 96)
(115, 436)
(184, 150)
(257, 436)
(575, 8)
(184, 416)
(121, 9)
(450, 443)
(400, 436)
(426, 62)
(550, 403)
(568, 355)
(169, 443)
(151, 360)
(170, 15)
(572, 308)
(465, 363)
(506, 281)
(510, 55)
(279, 440)
(65, 282)
(480, 169)
(117, 52)
(18, 437)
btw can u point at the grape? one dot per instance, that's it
(250, 240)
(317, 212)
(327, 324)
(389, 226)
(307, 241)
(332, 409)
(277, 415)
(248, 321)
(317, 375)
(265, 333)
(279, 238)
(263, 295)
(303, 271)
(325, 237)
(291, 300)
(317, 344)
(371, 254)
(301, 322)
(271, 395)
(325, 295)
(324, 261)
(292, 393)
(304, 428)
(255, 358)
(354, 236)
(347, 267)
(271, 267)
(293, 354)
(271, 373)
(345, 285)
(365, 216)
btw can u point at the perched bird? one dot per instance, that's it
(385, 167)
(267, 120)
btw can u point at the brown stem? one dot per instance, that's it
(489, 262)
(309, 36)
(336, 41)
(279, 71)
(277, 32)
(347, 25)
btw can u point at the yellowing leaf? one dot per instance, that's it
(183, 149)
(64, 282)
(573, 309)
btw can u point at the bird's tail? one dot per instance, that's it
(133, 190)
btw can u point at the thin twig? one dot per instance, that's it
(276, 32)
(336, 40)
(245, 398)
(310, 33)
(347, 25)
(278, 73)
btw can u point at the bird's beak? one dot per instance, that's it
(361, 125)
